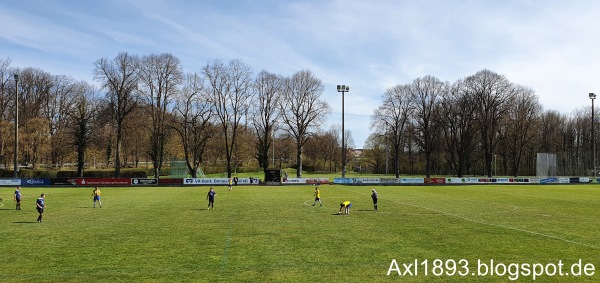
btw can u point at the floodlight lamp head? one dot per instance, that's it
(592, 95)
(16, 76)
(343, 88)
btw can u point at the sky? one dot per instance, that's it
(549, 46)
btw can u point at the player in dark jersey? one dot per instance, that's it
(18, 197)
(40, 205)
(211, 198)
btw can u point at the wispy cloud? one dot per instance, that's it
(549, 46)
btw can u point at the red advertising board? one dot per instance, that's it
(435, 180)
(170, 181)
(103, 181)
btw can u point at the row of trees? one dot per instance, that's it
(147, 108)
(464, 127)
(150, 105)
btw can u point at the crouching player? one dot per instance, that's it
(345, 206)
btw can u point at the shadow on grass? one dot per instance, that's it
(25, 222)
(364, 210)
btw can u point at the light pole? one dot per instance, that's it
(16, 168)
(343, 89)
(592, 97)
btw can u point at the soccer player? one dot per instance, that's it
(96, 195)
(345, 206)
(374, 196)
(230, 183)
(317, 196)
(40, 207)
(211, 198)
(18, 197)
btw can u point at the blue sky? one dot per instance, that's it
(549, 46)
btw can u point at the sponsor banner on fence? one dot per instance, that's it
(519, 180)
(412, 180)
(548, 181)
(365, 180)
(35, 182)
(103, 181)
(434, 181)
(10, 182)
(295, 181)
(170, 181)
(389, 181)
(564, 180)
(342, 180)
(206, 181)
(320, 181)
(217, 181)
(144, 181)
(63, 181)
(584, 180)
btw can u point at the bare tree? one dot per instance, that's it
(391, 118)
(457, 117)
(335, 147)
(492, 93)
(375, 152)
(193, 113)
(521, 123)
(230, 90)
(426, 94)
(159, 77)
(34, 90)
(302, 109)
(119, 77)
(264, 111)
(7, 88)
(7, 98)
(62, 93)
(83, 108)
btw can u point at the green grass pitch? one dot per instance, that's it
(274, 234)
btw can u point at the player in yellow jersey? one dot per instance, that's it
(345, 206)
(96, 195)
(317, 197)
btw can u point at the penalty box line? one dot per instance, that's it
(487, 223)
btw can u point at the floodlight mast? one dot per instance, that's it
(16, 148)
(343, 89)
(592, 96)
